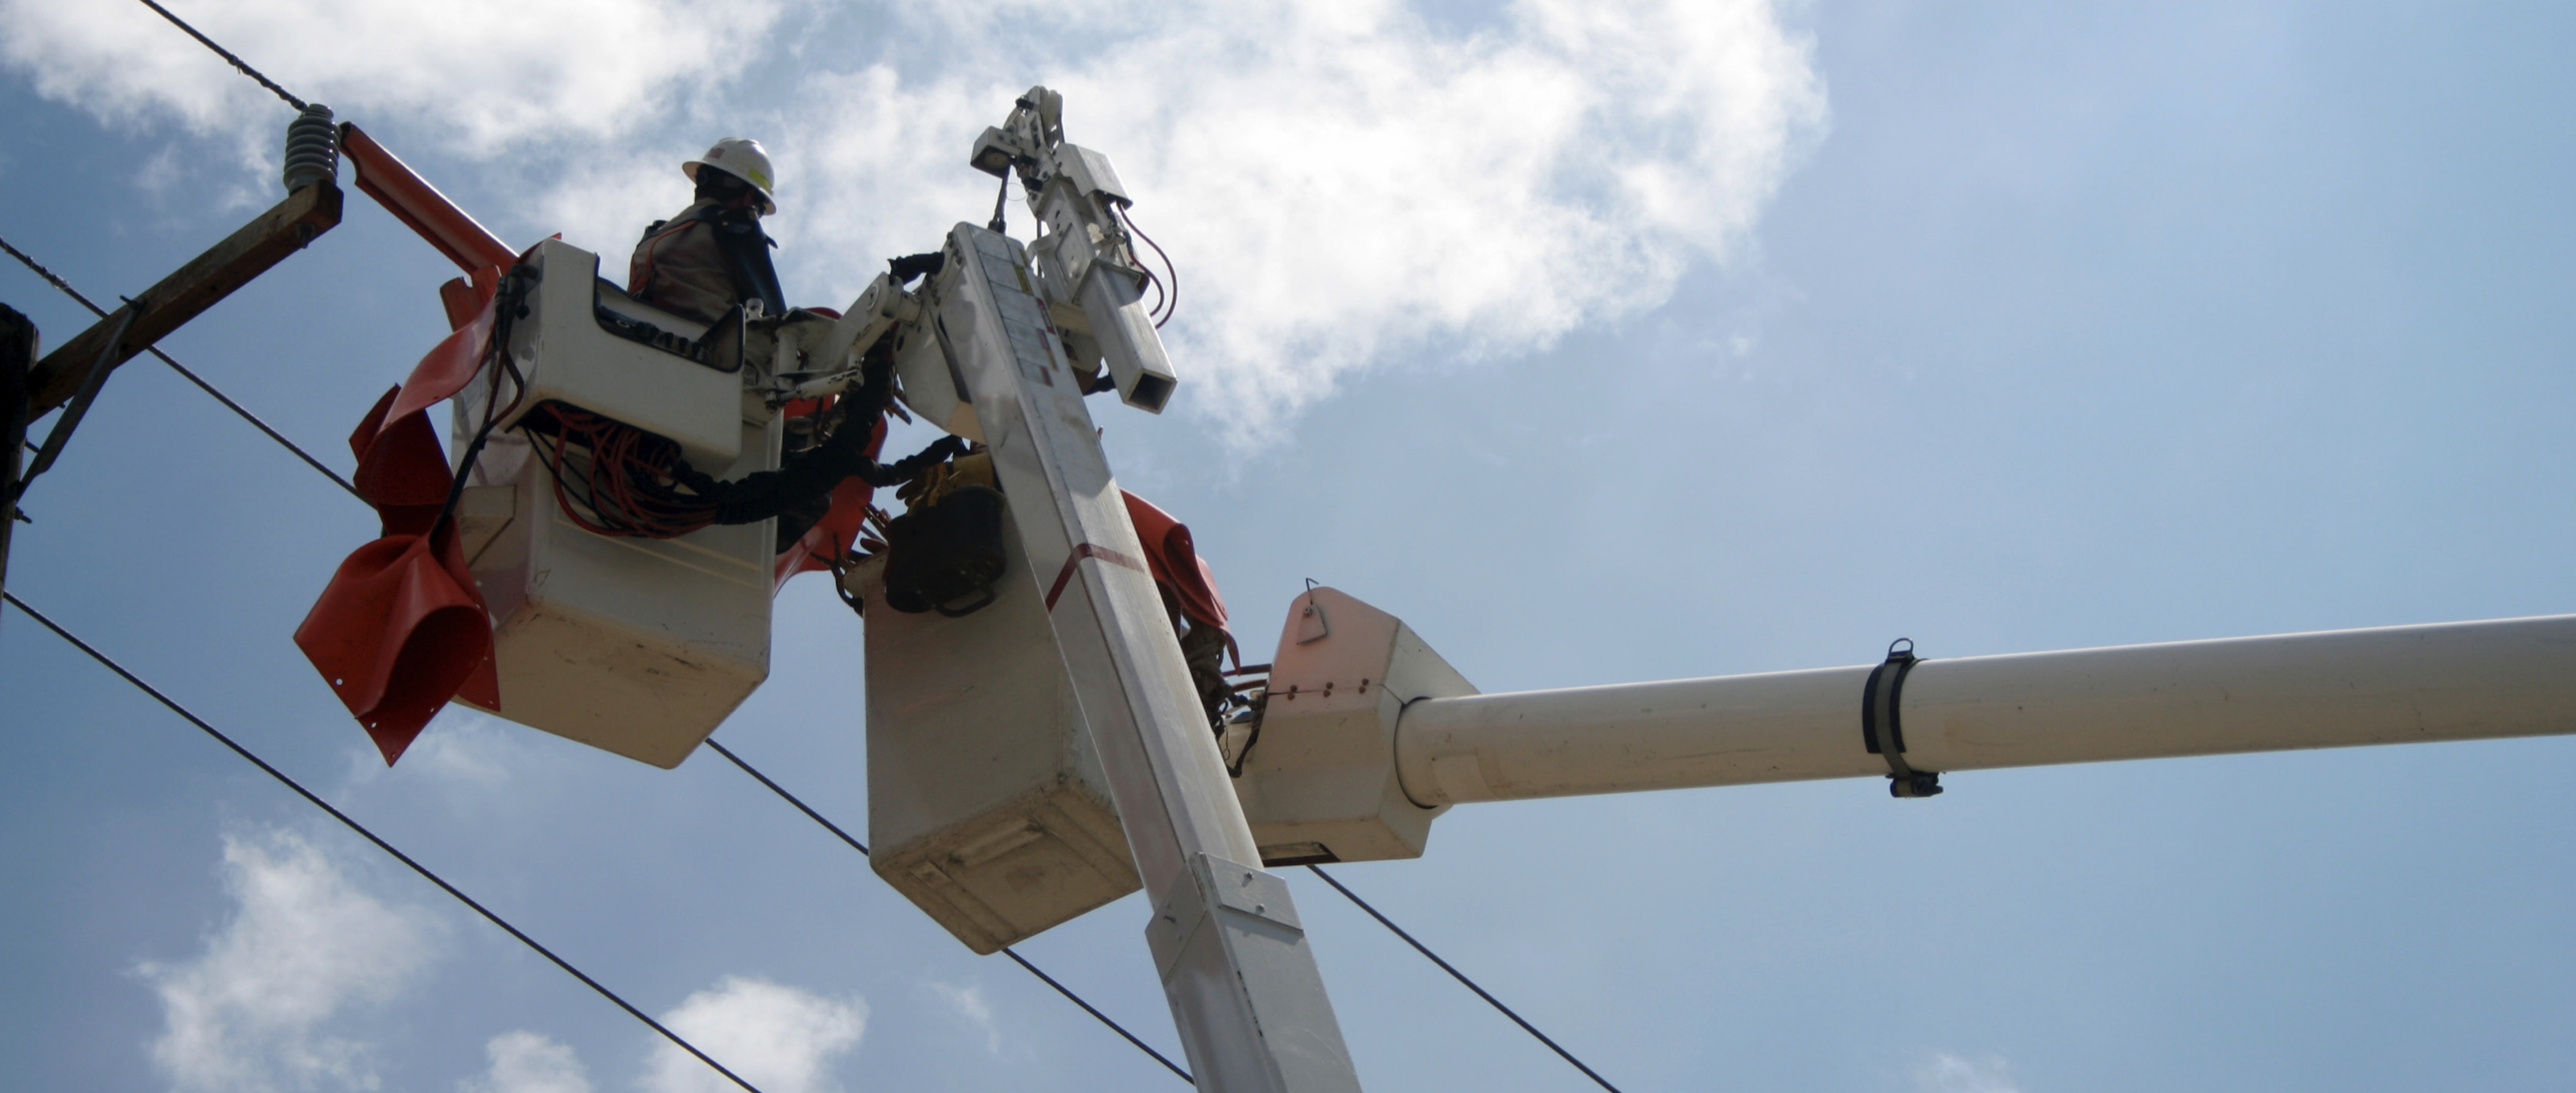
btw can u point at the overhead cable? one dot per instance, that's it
(790, 798)
(52, 279)
(1462, 978)
(371, 836)
(774, 787)
(227, 55)
(720, 749)
(1023, 961)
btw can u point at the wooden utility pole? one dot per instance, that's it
(186, 294)
(17, 353)
(72, 375)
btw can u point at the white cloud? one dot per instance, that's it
(779, 1038)
(303, 943)
(971, 1004)
(524, 1062)
(463, 747)
(484, 73)
(1342, 186)
(1345, 186)
(1948, 1073)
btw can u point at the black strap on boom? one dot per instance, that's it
(1879, 726)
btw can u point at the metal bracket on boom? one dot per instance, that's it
(1878, 707)
(1084, 261)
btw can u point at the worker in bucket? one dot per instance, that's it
(713, 255)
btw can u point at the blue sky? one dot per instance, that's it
(1584, 341)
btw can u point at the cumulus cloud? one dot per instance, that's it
(970, 1003)
(1948, 1073)
(524, 1062)
(1367, 193)
(464, 750)
(1345, 186)
(484, 73)
(252, 1012)
(777, 1037)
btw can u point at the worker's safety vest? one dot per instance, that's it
(704, 261)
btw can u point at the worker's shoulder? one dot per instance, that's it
(695, 214)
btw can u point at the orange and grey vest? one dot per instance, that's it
(704, 261)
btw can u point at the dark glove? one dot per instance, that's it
(910, 467)
(914, 265)
(807, 474)
(813, 472)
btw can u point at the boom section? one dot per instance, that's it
(1226, 938)
(2392, 685)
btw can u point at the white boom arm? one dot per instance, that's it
(1226, 937)
(2407, 684)
(1367, 734)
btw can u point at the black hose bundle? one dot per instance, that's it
(637, 485)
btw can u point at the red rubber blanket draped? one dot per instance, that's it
(1172, 555)
(402, 628)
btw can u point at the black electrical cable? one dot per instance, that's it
(1060, 988)
(790, 798)
(52, 279)
(370, 836)
(774, 787)
(862, 848)
(227, 54)
(1171, 305)
(1461, 977)
(299, 105)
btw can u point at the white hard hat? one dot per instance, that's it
(742, 158)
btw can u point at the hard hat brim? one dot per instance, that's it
(768, 204)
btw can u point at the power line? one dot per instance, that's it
(790, 798)
(1462, 977)
(370, 836)
(51, 278)
(835, 829)
(737, 761)
(227, 54)
(55, 280)
(1022, 961)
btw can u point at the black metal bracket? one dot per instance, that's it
(78, 407)
(17, 355)
(1881, 729)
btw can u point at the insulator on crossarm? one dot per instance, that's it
(312, 148)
